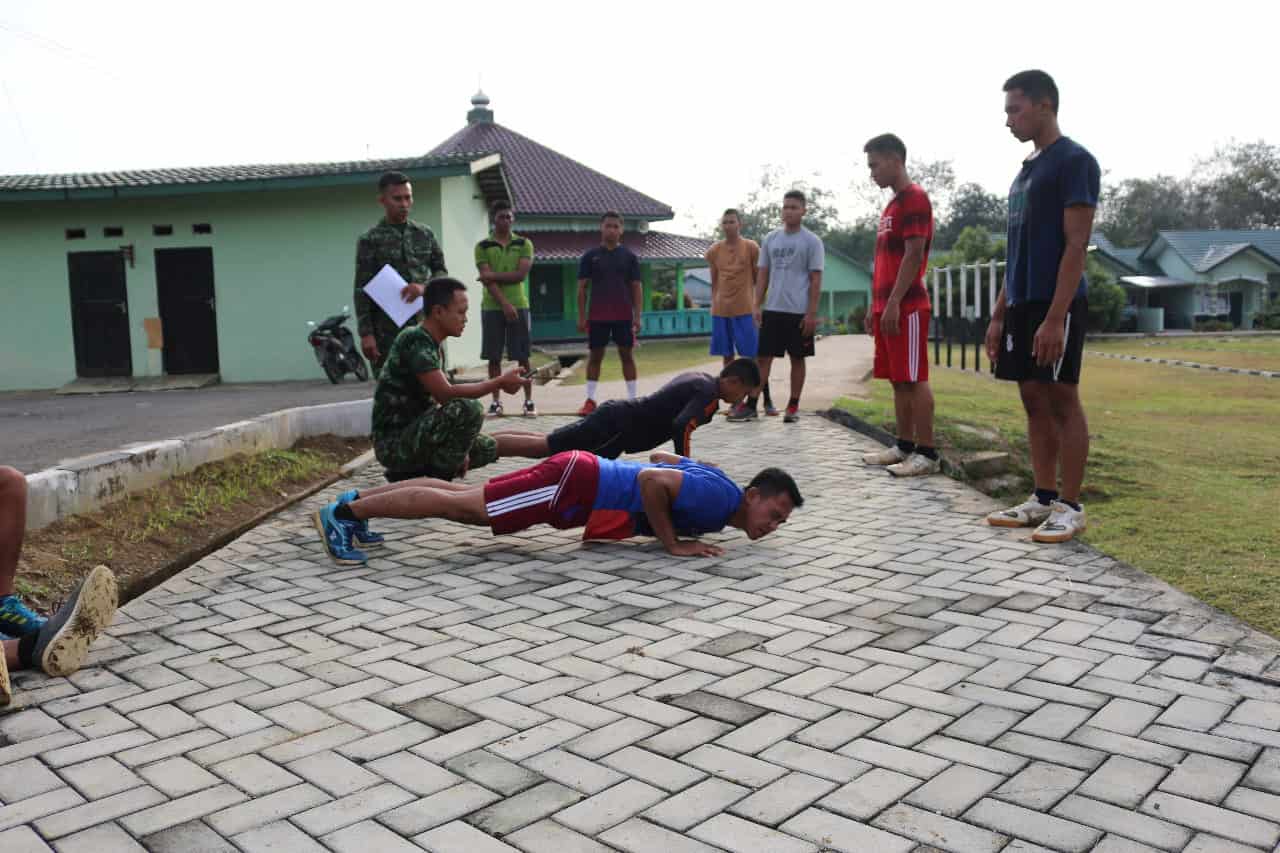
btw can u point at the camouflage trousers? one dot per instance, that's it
(385, 333)
(438, 441)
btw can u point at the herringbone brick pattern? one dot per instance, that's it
(884, 674)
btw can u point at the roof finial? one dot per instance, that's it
(480, 112)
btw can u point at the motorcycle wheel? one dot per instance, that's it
(333, 371)
(361, 370)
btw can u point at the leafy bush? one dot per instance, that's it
(1213, 326)
(858, 318)
(1268, 317)
(1106, 306)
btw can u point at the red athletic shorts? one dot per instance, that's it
(903, 357)
(560, 491)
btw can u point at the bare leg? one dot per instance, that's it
(1073, 437)
(766, 364)
(728, 359)
(530, 444)
(416, 483)
(902, 400)
(922, 412)
(13, 524)
(528, 386)
(797, 376)
(1042, 433)
(495, 370)
(594, 359)
(464, 505)
(627, 356)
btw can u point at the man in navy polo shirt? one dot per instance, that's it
(1036, 334)
(610, 273)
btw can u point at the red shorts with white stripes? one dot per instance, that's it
(903, 357)
(560, 491)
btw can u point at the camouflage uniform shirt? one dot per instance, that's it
(411, 430)
(411, 250)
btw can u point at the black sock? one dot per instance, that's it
(926, 451)
(1046, 496)
(906, 446)
(793, 403)
(26, 647)
(768, 398)
(344, 513)
(752, 402)
(1073, 504)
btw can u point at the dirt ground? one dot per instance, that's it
(147, 531)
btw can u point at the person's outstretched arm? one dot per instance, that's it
(658, 490)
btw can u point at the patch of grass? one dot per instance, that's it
(652, 358)
(1251, 353)
(1183, 479)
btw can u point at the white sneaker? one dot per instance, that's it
(1062, 524)
(1029, 513)
(891, 455)
(915, 465)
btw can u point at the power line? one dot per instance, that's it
(22, 130)
(60, 48)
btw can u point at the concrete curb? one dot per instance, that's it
(81, 485)
(1176, 362)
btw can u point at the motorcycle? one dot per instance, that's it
(335, 348)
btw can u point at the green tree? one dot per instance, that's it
(1242, 182)
(971, 207)
(1132, 211)
(1107, 299)
(762, 211)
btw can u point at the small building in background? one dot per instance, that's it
(1181, 278)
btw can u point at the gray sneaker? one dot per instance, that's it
(63, 642)
(890, 455)
(915, 465)
(1029, 513)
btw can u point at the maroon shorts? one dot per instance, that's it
(903, 357)
(560, 491)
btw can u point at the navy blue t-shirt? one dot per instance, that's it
(611, 273)
(1061, 176)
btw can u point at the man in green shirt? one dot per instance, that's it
(411, 250)
(503, 259)
(423, 425)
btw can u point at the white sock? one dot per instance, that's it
(591, 389)
(631, 389)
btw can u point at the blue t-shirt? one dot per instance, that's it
(1060, 176)
(706, 502)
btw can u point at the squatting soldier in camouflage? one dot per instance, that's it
(423, 425)
(412, 251)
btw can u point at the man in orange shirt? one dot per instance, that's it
(733, 328)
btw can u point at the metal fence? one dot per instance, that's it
(961, 313)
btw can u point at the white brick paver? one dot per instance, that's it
(884, 673)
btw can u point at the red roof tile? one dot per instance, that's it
(649, 246)
(546, 183)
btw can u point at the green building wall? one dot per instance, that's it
(280, 257)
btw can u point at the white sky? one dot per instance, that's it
(685, 101)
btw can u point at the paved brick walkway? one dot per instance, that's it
(884, 674)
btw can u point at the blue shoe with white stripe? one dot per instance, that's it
(363, 536)
(337, 537)
(18, 620)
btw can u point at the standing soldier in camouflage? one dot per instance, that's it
(411, 250)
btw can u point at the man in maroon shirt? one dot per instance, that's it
(610, 275)
(899, 315)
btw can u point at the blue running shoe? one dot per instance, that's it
(363, 536)
(18, 620)
(336, 535)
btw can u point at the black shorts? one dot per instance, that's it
(604, 432)
(599, 332)
(1021, 321)
(497, 333)
(781, 334)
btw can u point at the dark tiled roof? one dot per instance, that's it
(546, 183)
(649, 246)
(228, 174)
(1204, 250)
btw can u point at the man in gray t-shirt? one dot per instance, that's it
(788, 285)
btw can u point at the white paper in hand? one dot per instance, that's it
(384, 289)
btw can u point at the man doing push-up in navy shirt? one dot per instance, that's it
(672, 413)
